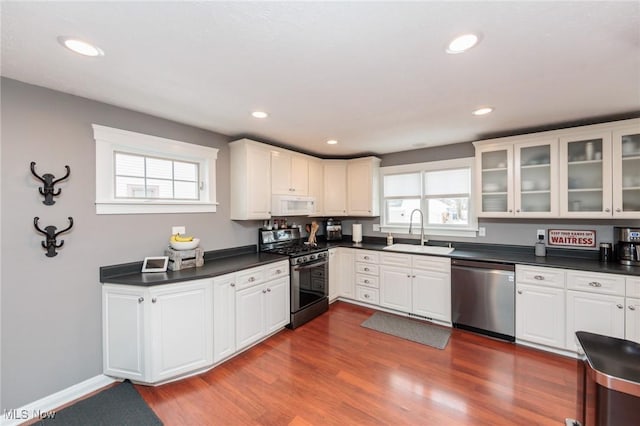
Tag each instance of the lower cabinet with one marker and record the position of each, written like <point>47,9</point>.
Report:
<point>632,319</point>
<point>346,273</point>
<point>153,334</point>
<point>540,306</point>
<point>334,274</point>
<point>260,310</point>
<point>224,317</point>
<point>395,287</point>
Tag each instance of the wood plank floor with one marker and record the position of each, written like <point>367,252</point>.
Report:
<point>332,371</point>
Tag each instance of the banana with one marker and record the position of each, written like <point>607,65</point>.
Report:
<point>185,239</point>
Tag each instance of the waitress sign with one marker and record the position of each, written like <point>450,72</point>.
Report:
<point>572,238</point>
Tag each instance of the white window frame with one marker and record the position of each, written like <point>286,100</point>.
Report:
<point>449,230</point>
<point>109,140</point>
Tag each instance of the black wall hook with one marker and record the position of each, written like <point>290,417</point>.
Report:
<point>51,243</point>
<point>48,181</point>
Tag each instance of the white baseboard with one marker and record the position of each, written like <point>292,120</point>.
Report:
<point>44,407</point>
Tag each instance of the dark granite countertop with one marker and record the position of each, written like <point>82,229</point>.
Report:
<point>556,258</point>
<point>216,263</point>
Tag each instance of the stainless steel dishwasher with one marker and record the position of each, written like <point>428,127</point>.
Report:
<point>483,297</point>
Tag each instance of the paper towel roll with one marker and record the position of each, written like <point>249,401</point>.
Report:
<point>356,232</point>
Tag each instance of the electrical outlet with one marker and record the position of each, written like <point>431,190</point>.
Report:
<point>482,231</point>
<point>541,232</point>
<point>182,230</point>
<point>376,227</point>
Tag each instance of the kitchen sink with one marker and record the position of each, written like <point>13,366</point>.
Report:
<point>413,248</point>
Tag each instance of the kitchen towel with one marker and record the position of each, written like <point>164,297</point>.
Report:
<point>356,232</point>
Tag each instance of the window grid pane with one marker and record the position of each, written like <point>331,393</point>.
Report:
<point>143,177</point>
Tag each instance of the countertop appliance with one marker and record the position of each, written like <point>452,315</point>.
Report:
<point>309,272</point>
<point>483,298</point>
<point>292,205</point>
<point>608,381</point>
<point>333,230</point>
<point>628,245</point>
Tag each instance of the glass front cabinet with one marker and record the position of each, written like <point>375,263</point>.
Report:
<point>494,180</point>
<point>626,172</point>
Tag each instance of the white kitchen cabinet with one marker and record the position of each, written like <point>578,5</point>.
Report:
<point>335,187</point>
<point>540,306</point>
<point>632,309</point>
<point>289,173</point>
<point>224,317</point>
<point>250,180</point>
<point>123,331</point>
<point>261,309</point>
<point>494,179</point>
<point>595,303</point>
<point>363,190</point>
<point>334,274</point>
<point>366,276</point>
<point>346,258</point>
<point>316,185</point>
<point>416,284</point>
<point>152,334</point>
<point>626,172</point>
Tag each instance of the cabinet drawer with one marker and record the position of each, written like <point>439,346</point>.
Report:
<point>633,287</point>
<point>366,268</point>
<point>395,259</point>
<point>367,294</point>
<point>431,263</point>
<point>250,277</point>
<point>367,280</point>
<point>596,282</point>
<point>367,256</point>
<point>276,270</point>
<point>535,275</point>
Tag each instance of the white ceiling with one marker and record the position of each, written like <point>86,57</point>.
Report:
<point>373,75</point>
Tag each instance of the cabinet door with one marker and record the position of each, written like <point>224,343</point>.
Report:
<point>281,173</point>
<point>632,323</point>
<point>595,313</point>
<point>626,172</point>
<point>299,175</point>
<point>494,167</point>
<point>277,306</point>
<point>316,186</point>
<point>123,334</point>
<point>224,317</point>
<point>181,328</point>
<point>362,188</point>
<point>585,175</point>
<point>540,315</point>
<point>250,308</point>
<point>395,288</point>
<point>431,295</point>
<point>250,182</point>
<point>335,188</point>
<point>347,275</point>
<point>334,271</point>
<point>536,178</point>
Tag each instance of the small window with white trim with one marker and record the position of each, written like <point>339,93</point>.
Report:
<point>137,173</point>
<point>440,189</point>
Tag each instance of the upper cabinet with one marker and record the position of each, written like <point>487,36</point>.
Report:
<point>335,187</point>
<point>250,180</point>
<point>363,187</point>
<point>586,172</point>
<point>316,185</point>
<point>289,173</point>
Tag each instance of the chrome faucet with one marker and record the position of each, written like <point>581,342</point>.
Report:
<point>422,238</point>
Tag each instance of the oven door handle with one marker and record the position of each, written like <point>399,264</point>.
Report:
<point>309,265</point>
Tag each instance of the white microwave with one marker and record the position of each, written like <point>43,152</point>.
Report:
<point>290,205</point>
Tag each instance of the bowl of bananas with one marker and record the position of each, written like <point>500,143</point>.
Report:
<point>183,242</point>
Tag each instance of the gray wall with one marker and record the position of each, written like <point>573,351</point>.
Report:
<point>51,307</point>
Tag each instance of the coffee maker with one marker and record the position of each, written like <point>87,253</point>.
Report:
<point>628,245</point>
<point>333,230</point>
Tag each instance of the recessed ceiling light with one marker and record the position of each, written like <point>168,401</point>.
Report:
<point>259,114</point>
<point>81,47</point>
<point>482,111</point>
<point>462,43</point>
<point>332,141</point>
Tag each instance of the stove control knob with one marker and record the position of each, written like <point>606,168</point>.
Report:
<point>302,259</point>
<point>312,257</point>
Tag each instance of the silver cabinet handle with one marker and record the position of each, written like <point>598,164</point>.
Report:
<point>620,306</point>
<point>510,211</point>
<point>607,210</point>
<point>408,276</point>
<point>232,284</point>
<point>632,308</point>
<point>140,299</point>
<point>269,290</point>
<point>518,211</point>
<point>154,300</point>
<point>264,290</point>
<point>367,296</point>
<point>519,291</point>
<point>413,276</point>
<point>279,271</point>
<point>366,281</point>
<point>366,257</point>
<point>538,277</point>
<point>366,269</point>
<point>595,284</point>
<point>251,279</point>
<point>618,210</point>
